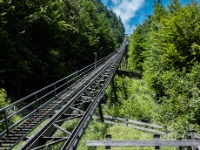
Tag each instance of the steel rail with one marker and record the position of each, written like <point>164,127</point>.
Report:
<point>77,72</point>
<point>63,97</point>
<point>30,142</point>
<point>52,100</point>
<point>72,141</point>
<point>83,72</point>
<point>76,82</point>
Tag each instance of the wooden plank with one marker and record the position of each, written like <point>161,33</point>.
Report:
<point>114,118</point>
<point>145,124</point>
<point>120,119</point>
<point>146,129</point>
<point>133,121</point>
<point>197,136</point>
<point>143,143</point>
<point>109,117</point>
<point>109,122</point>
<point>122,124</point>
<point>136,127</point>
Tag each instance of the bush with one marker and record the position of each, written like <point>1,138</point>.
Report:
<point>3,98</point>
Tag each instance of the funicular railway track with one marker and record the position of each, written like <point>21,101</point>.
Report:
<point>79,100</point>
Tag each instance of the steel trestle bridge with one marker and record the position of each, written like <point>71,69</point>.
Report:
<point>74,97</point>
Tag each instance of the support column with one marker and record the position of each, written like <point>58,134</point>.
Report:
<point>108,138</point>
<point>114,89</point>
<point>193,138</point>
<point>157,137</point>
<point>101,112</point>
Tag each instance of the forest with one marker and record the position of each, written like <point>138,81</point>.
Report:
<point>165,51</point>
<point>43,41</point>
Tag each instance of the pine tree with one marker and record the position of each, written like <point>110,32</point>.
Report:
<point>174,6</point>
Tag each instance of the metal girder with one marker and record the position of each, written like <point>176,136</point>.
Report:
<point>69,118</point>
<point>92,92</point>
<point>78,110</point>
<point>60,128</point>
<point>74,138</point>
<point>49,144</point>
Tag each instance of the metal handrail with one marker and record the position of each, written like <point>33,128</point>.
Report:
<point>87,82</point>
<point>68,79</point>
<point>78,130</point>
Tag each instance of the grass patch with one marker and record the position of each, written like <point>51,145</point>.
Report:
<point>134,100</point>
<point>98,131</point>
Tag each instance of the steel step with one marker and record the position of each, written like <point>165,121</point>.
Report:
<point>6,145</point>
<point>14,135</point>
<point>11,138</point>
<point>19,132</point>
<point>20,128</point>
<point>25,127</point>
<point>7,141</point>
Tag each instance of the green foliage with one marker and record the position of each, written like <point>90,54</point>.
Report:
<point>42,41</point>
<point>174,6</point>
<point>98,131</point>
<point>94,131</point>
<point>137,46</point>
<point>135,100</point>
<point>3,98</point>
<point>3,102</point>
<point>168,58</point>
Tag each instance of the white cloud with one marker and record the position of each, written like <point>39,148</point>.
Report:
<point>116,2</point>
<point>129,28</point>
<point>127,9</point>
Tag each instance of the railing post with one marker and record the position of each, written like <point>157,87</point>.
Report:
<point>126,121</point>
<point>67,83</point>
<point>95,60</point>
<point>36,100</point>
<point>108,138</point>
<point>157,137</point>
<point>7,126</point>
<point>101,112</point>
<point>193,138</point>
<point>87,70</point>
<point>14,108</point>
<point>54,87</point>
<point>166,130</point>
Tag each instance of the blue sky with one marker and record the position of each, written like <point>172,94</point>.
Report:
<point>133,12</point>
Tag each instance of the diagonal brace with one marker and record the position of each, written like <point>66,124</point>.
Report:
<point>58,127</point>
<point>77,109</point>
<point>49,144</point>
